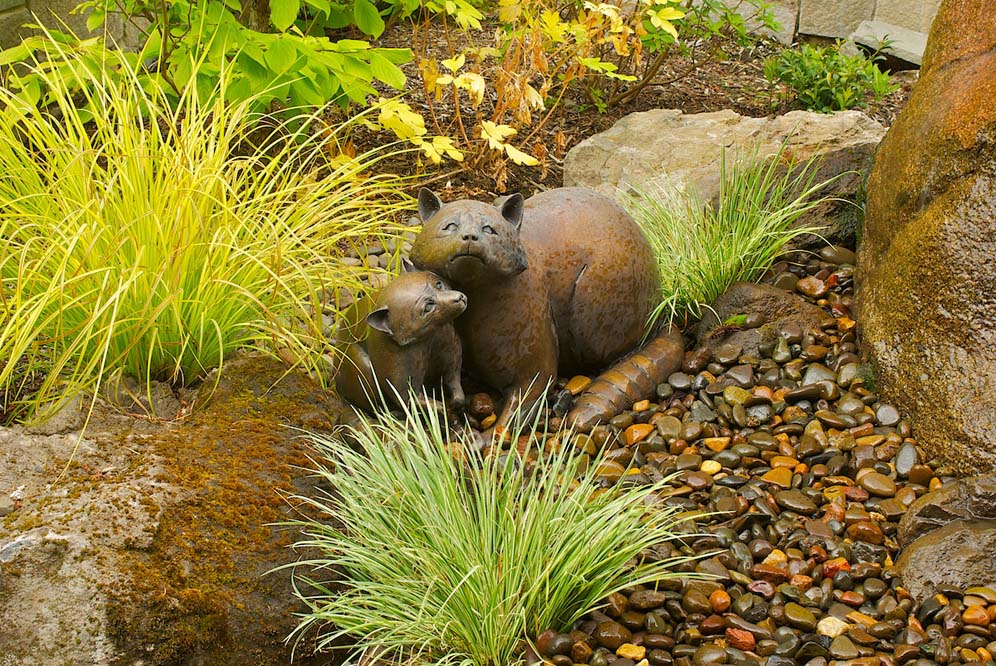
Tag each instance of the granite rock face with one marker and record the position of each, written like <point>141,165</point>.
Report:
<point>925,281</point>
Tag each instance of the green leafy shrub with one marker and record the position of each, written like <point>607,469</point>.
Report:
<point>371,17</point>
<point>289,66</point>
<point>702,248</point>
<point>448,556</point>
<point>824,79</point>
<point>152,238</point>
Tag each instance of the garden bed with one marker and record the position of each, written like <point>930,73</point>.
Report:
<point>773,428</point>
<point>723,75</point>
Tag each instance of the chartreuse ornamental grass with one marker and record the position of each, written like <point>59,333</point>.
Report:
<point>446,556</point>
<point>702,248</point>
<point>151,239</point>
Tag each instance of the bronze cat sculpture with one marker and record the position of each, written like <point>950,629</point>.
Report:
<point>410,344</point>
<point>564,282</point>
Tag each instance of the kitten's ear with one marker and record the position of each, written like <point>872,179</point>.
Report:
<point>407,266</point>
<point>377,320</point>
<point>511,208</point>
<point>428,203</point>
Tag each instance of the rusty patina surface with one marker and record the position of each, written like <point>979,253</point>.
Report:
<point>403,340</point>
<point>562,283</point>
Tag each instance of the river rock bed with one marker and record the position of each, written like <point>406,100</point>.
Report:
<point>806,473</point>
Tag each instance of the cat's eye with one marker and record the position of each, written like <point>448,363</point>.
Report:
<point>488,229</point>
<point>429,307</point>
<point>439,284</point>
<point>450,227</point>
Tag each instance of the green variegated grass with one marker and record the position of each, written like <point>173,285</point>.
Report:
<point>703,248</point>
<point>457,558</point>
<point>151,240</point>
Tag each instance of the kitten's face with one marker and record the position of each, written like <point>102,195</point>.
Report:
<point>414,304</point>
<point>469,241</point>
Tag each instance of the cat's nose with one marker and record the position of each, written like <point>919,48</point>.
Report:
<point>471,237</point>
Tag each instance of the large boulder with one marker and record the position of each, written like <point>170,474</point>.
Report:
<point>971,498</point>
<point>926,289</point>
<point>665,147</point>
<point>949,536</point>
<point>775,307</point>
<point>146,542</point>
<point>960,555</point>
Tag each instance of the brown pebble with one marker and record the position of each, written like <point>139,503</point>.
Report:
<point>611,634</point>
<point>644,600</point>
<point>481,406</point>
<point>878,484</point>
<point>784,461</point>
<point>720,601</point>
<point>616,604</point>
<point>866,531</point>
<point>780,477</point>
<point>577,384</point>
<point>630,651</point>
<point>637,433</point>
<point>581,652</point>
<point>812,286</point>
<point>831,567</point>
<point>921,475</point>
<point>740,639</point>
<point>802,582</point>
<point>976,615</point>
<point>716,444</point>
<point>698,480</point>
<point>712,625</point>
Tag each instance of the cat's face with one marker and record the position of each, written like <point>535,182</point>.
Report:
<point>470,242</point>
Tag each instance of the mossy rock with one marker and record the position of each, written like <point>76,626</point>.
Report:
<point>156,542</point>
<point>925,278</point>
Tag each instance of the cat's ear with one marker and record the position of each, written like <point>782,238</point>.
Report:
<point>428,204</point>
<point>511,208</point>
<point>407,266</point>
<point>377,320</point>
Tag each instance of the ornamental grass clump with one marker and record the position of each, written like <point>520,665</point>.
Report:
<point>436,554</point>
<point>703,248</point>
<point>151,239</point>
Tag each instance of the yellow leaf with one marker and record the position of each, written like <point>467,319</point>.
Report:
<point>620,42</point>
<point>481,53</point>
<point>399,118</point>
<point>553,27</point>
<point>520,157</point>
<point>441,145</point>
<point>430,74</point>
<point>453,64</point>
<point>661,19</point>
<point>473,83</point>
<point>609,11</point>
<point>430,151</point>
<point>534,99</point>
<point>495,134</point>
<point>509,10</point>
